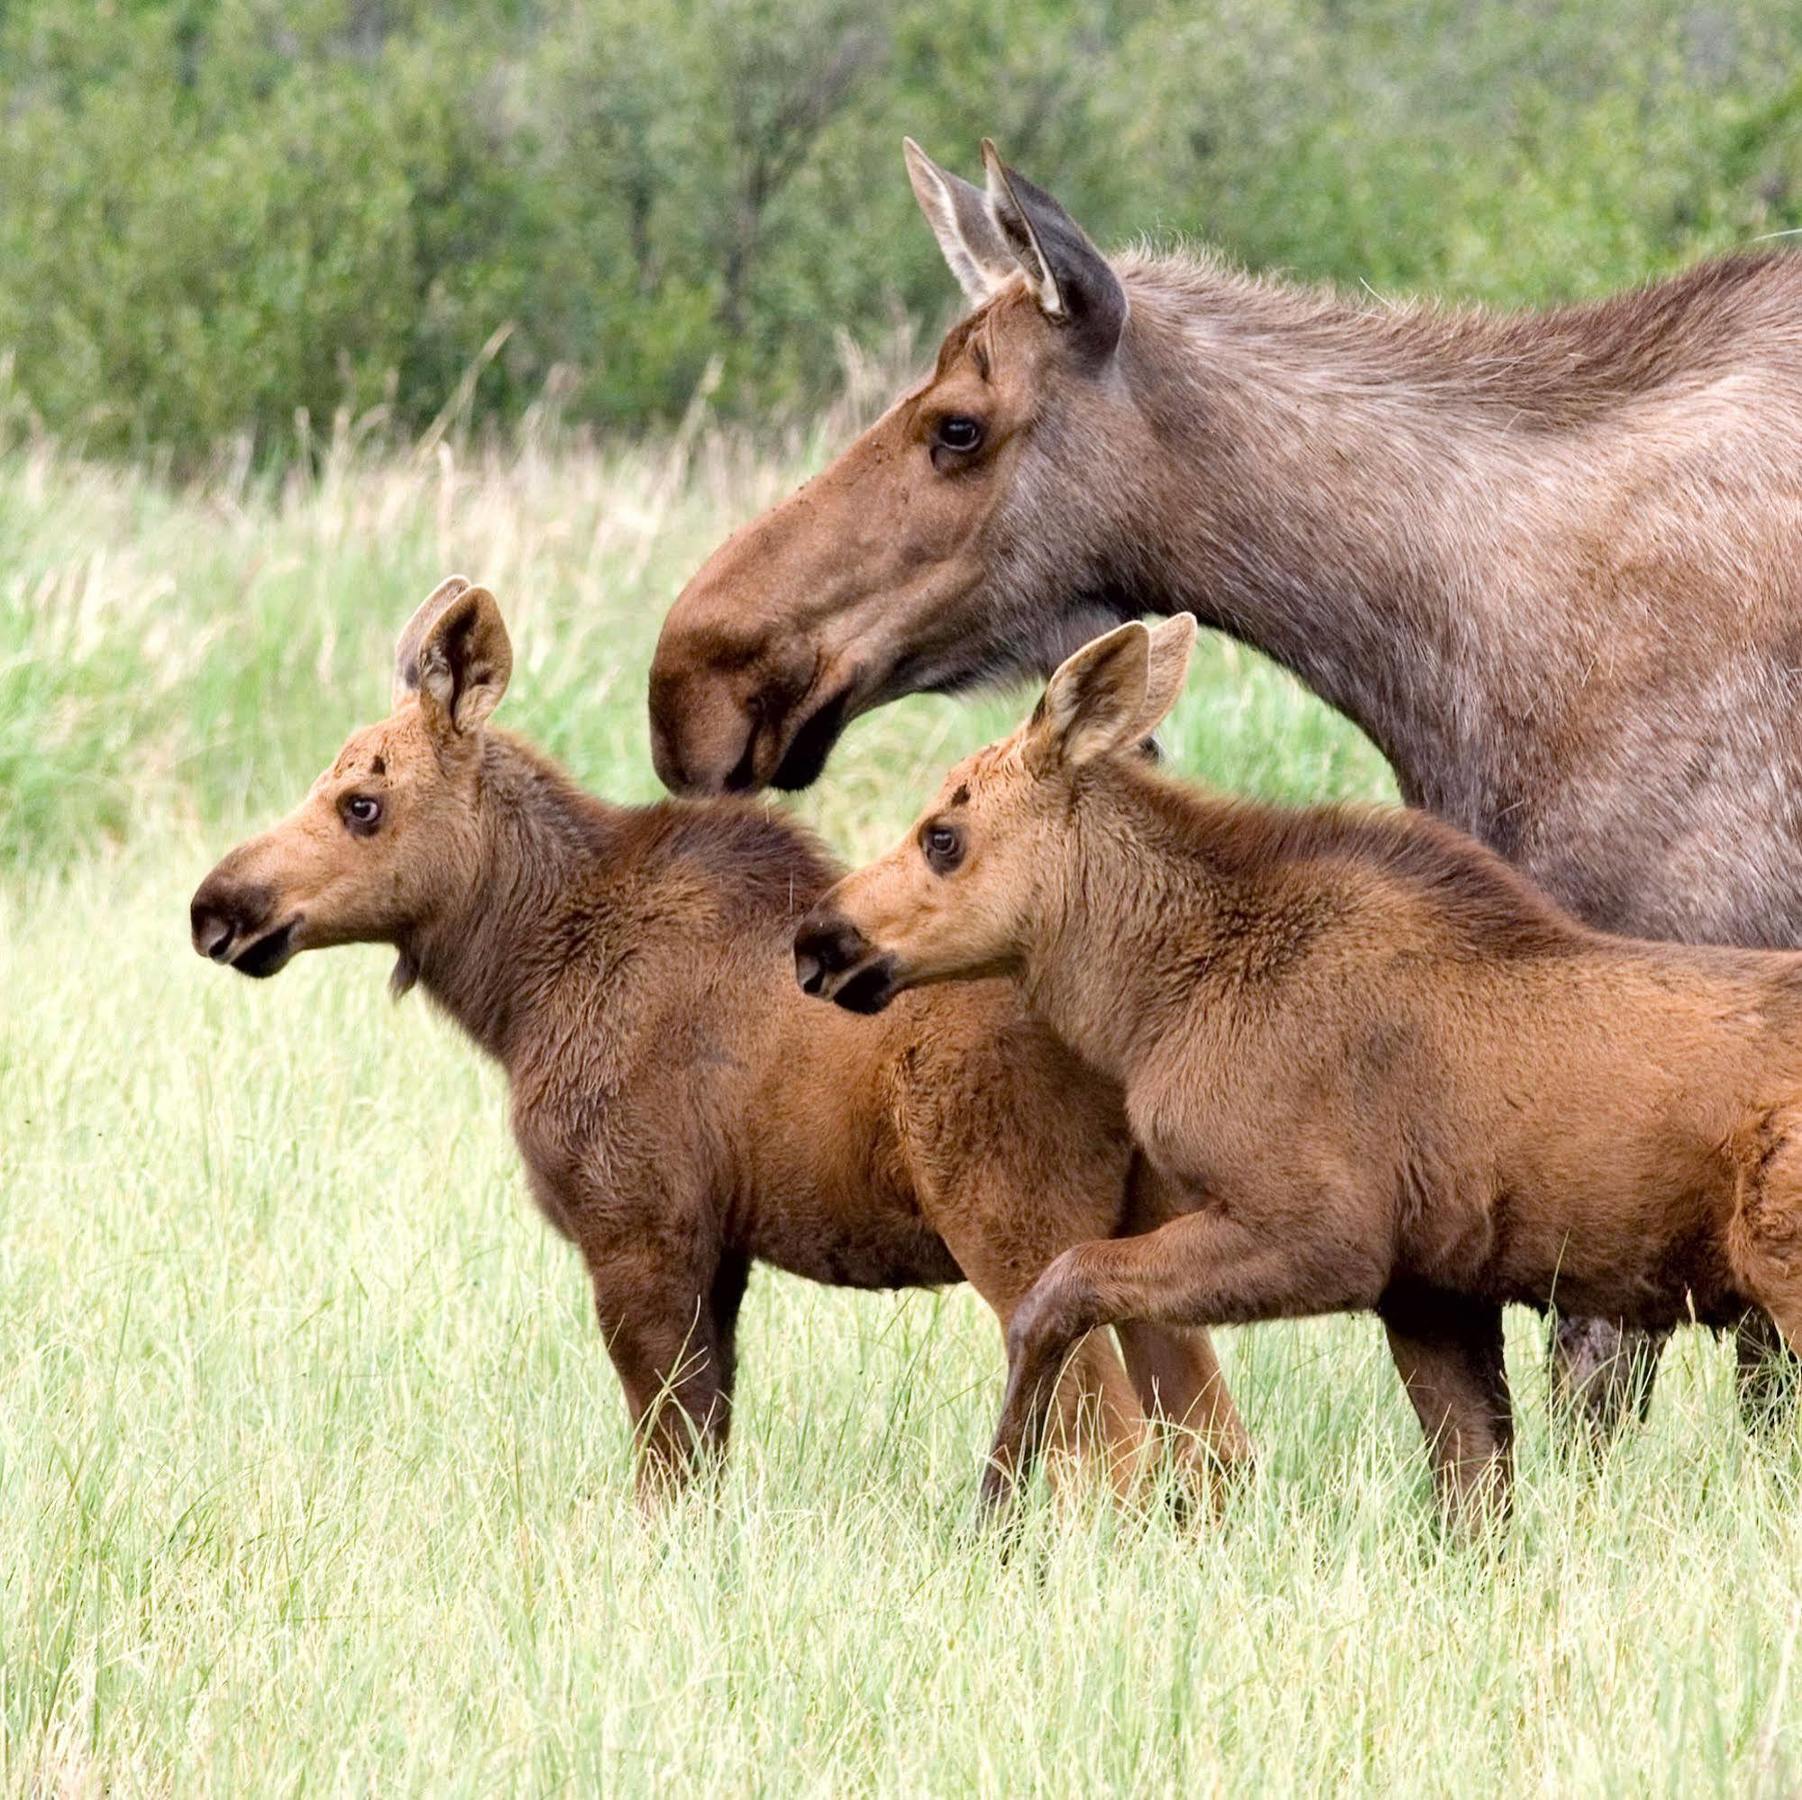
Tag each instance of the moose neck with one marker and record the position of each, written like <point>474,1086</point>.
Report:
<point>1096,960</point>
<point>491,957</point>
<point>1325,482</point>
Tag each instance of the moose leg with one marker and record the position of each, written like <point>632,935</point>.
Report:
<point>1603,1373</point>
<point>725,1297</point>
<point>1777,1285</point>
<point>1206,1268</point>
<point>1177,1374</point>
<point>1183,1391</point>
<point>1767,1374</point>
<point>1093,1407</point>
<point>677,1383</point>
<point>1448,1351</point>
<point>1764,1245</point>
<point>1095,1418</point>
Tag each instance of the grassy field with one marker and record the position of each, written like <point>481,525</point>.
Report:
<point>313,1475</point>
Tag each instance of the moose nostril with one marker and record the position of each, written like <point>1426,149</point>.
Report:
<point>666,746</point>
<point>666,760</point>
<point>741,778</point>
<point>825,948</point>
<point>212,934</point>
<point>210,925</point>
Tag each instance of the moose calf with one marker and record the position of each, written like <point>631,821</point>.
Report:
<point>1381,1069</point>
<point>681,1110</point>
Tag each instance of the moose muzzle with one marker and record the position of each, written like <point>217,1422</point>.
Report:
<point>234,922</point>
<point>835,961</point>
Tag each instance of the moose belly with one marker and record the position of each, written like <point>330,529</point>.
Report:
<point>1625,1267</point>
<point>845,1241</point>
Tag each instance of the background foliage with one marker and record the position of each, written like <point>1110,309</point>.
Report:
<point>217,216</point>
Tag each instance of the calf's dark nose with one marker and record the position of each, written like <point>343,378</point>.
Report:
<point>824,947</point>
<point>225,912</point>
<point>210,927</point>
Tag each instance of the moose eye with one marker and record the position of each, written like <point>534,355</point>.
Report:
<point>362,813</point>
<point>944,847</point>
<point>958,433</point>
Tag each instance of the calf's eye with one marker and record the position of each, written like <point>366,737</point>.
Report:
<point>362,813</point>
<point>944,847</point>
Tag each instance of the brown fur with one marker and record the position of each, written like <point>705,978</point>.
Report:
<point>683,1113</point>
<point>1548,561</point>
<point>1387,1072</point>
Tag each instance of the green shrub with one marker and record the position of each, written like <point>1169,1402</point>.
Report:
<point>217,215</point>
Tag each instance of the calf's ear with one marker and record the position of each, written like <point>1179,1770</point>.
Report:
<point>959,216</point>
<point>406,648</point>
<point>1172,644</point>
<point>1095,703</point>
<point>457,659</point>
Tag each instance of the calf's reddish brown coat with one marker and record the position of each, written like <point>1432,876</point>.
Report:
<point>1551,562</point>
<point>681,1110</point>
<point>1385,1071</point>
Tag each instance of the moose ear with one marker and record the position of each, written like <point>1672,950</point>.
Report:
<point>406,649</point>
<point>1072,281</point>
<point>1172,643</point>
<point>454,654</point>
<point>959,216</point>
<point>1095,703</point>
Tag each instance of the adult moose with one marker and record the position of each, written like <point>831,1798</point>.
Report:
<point>1551,563</point>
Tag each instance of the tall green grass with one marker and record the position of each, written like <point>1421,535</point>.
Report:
<point>313,1475</point>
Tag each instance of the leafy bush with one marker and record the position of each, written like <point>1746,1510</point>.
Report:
<point>217,216</point>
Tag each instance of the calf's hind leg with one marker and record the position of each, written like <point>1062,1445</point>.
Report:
<point>1093,1408</point>
<point>1764,1240</point>
<point>1766,1374</point>
<point>1096,1418</point>
<point>1010,1186</point>
<point>1183,1391</point>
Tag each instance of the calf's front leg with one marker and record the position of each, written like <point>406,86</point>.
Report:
<point>1178,1376</point>
<point>1448,1352</point>
<point>675,1361</point>
<point>1205,1268</point>
<point>1094,1409</point>
<point>1603,1373</point>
